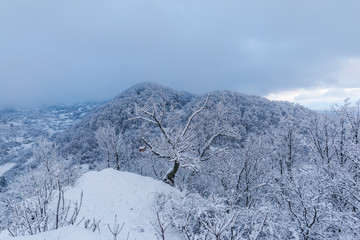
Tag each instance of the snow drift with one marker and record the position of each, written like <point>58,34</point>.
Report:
<point>108,193</point>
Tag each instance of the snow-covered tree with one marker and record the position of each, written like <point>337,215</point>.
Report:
<point>110,143</point>
<point>183,142</point>
<point>42,205</point>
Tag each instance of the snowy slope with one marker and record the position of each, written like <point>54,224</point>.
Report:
<point>67,233</point>
<point>107,193</point>
<point>6,167</point>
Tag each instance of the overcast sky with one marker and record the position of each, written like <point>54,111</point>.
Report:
<point>64,51</point>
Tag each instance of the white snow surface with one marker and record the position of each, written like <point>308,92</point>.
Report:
<point>107,193</point>
<point>6,167</point>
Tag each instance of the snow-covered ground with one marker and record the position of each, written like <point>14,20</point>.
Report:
<point>6,167</point>
<point>106,193</point>
<point>66,233</point>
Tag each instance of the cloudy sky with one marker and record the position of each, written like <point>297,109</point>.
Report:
<point>65,51</point>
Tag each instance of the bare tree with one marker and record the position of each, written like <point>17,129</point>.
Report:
<point>160,227</point>
<point>322,135</point>
<point>43,206</point>
<point>351,115</point>
<point>93,225</point>
<point>252,159</point>
<point>181,142</point>
<point>286,141</point>
<point>110,143</point>
<point>116,229</point>
<point>217,225</point>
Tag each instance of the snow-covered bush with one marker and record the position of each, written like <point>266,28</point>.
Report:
<point>213,218</point>
<point>41,205</point>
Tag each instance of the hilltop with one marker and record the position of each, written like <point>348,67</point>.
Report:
<point>245,113</point>
<point>108,193</point>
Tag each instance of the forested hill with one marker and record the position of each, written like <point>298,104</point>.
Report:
<point>244,114</point>
<point>246,167</point>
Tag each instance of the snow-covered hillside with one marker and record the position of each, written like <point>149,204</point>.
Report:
<point>108,193</point>
<point>247,168</point>
<point>20,128</point>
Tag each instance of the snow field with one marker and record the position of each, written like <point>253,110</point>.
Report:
<point>107,193</point>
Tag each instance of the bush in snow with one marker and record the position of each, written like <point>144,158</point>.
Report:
<point>42,205</point>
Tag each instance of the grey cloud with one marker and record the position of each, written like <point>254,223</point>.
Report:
<point>60,51</point>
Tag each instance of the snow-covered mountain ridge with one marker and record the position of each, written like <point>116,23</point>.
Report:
<point>245,113</point>
<point>108,193</point>
<point>247,168</point>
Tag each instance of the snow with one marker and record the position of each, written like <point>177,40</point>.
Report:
<point>107,193</point>
<point>66,233</point>
<point>6,167</point>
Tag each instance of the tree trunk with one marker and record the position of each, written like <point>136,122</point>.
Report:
<point>169,178</point>
<point>117,162</point>
<point>58,206</point>
<point>108,159</point>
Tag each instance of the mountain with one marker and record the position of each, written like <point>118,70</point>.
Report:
<point>245,114</point>
<point>240,167</point>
